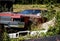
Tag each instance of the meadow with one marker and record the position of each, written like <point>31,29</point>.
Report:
<point>19,7</point>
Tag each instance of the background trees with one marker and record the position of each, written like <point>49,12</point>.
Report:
<point>35,1</point>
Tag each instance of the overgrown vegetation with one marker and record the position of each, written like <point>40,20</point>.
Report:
<point>5,36</point>
<point>51,31</point>
<point>56,29</point>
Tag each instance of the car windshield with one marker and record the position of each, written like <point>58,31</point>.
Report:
<point>30,11</point>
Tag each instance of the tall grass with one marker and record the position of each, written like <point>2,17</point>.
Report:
<point>18,8</point>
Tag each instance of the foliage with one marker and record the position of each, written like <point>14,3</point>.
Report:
<point>56,29</point>
<point>50,14</point>
<point>5,36</point>
<point>36,1</point>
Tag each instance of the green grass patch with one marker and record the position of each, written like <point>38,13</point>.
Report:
<point>17,7</point>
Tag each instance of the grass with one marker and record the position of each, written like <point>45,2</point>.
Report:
<point>19,7</point>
